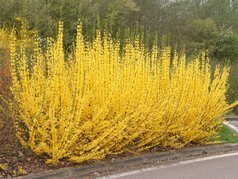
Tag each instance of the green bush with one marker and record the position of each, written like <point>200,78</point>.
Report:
<point>226,47</point>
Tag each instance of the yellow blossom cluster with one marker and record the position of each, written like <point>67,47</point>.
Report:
<point>101,100</point>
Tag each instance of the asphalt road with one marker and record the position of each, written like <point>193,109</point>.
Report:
<point>214,167</point>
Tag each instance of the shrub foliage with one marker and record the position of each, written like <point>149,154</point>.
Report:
<point>99,100</point>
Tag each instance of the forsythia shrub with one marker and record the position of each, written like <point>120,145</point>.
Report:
<point>24,38</point>
<point>98,101</point>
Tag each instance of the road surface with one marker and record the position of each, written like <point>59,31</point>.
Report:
<point>215,167</point>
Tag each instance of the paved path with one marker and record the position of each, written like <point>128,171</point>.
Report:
<point>215,167</point>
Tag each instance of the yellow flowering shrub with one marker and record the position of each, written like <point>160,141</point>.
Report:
<point>97,101</point>
<point>25,38</point>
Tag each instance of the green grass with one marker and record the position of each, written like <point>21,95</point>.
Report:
<point>227,135</point>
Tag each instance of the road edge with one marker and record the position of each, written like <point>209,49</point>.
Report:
<point>124,163</point>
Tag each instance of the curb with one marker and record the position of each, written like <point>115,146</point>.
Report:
<point>232,127</point>
<point>92,171</point>
<point>228,122</point>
